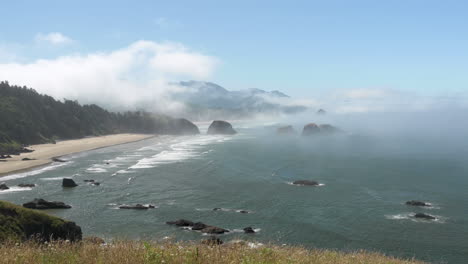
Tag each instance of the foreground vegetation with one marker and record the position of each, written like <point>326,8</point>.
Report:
<point>143,252</point>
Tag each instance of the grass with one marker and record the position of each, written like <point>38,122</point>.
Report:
<point>19,224</point>
<point>156,252</point>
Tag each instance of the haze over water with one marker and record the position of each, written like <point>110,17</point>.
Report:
<point>367,176</point>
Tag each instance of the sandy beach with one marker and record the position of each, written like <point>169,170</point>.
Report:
<point>44,153</point>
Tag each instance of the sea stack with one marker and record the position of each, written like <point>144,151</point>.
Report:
<point>285,130</point>
<point>185,127</point>
<point>221,127</point>
<point>67,182</point>
<point>311,129</point>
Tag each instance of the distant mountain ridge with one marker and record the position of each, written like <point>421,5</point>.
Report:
<point>202,97</point>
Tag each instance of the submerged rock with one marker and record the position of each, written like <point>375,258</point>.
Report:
<point>137,206</point>
<point>212,241</point>
<point>96,183</point>
<point>286,130</point>
<point>58,160</point>
<point>243,211</point>
<point>180,222</point>
<point>306,182</point>
<point>249,230</point>
<point>221,127</point>
<point>424,216</point>
<point>88,180</point>
<point>3,186</point>
<point>43,204</point>
<point>26,185</point>
<point>417,203</point>
<point>311,129</point>
<point>68,183</point>
<point>214,230</point>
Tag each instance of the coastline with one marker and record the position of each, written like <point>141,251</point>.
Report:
<point>43,153</point>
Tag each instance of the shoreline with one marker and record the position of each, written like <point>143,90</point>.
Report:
<point>43,153</point>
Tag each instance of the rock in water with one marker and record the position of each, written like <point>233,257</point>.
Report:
<point>199,226</point>
<point>328,129</point>
<point>424,216</point>
<point>221,127</point>
<point>21,224</point>
<point>286,130</point>
<point>43,204</point>
<point>58,160</point>
<point>3,186</point>
<point>214,230</point>
<point>212,241</point>
<point>249,230</point>
<point>417,203</point>
<point>26,185</point>
<point>306,182</point>
<point>321,112</point>
<point>137,206</point>
<point>311,129</point>
<point>180,222</point>
<point>184,127</point>
<point>67,182</point>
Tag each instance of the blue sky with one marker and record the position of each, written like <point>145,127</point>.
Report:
<point>304,48</point>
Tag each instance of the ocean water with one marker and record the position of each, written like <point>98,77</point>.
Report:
<point>365,180</point>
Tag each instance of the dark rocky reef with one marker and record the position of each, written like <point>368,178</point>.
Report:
<point>20,224</point>
<point>3,187</point>
<point>249,230</point>
<point>27,185</point>
<point>417,203</point>
<point>221,127</point>
<point>424,216</point>
<point>306,182</point>
<point>137,206</point>
<point>43,204</point>
<point>68,183</point>
<point>199,226</point>
<point>285,130</point>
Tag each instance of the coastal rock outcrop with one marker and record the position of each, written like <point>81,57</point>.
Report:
<point>198,226</point>
<point>424,216</point>
<point>137,206</point>
<point>221,127</point>
<point>306,182</point>
<point>328,129</point>
<point>417,203</point>
<point>27,159</point>
<point>21,224</point>
<point>311,129</point>
<point>43,204</point>
<point>3,187</point>
<point>68,183</point>
<point>285,130</point>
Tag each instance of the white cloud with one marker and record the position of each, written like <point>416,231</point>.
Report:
<point>367,93</point>
<point>136,76</point>
<point>54,38</point>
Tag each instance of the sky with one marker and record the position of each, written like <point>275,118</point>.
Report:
<point>307,49</point>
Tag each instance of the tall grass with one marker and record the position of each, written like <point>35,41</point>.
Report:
<point>133,252</point>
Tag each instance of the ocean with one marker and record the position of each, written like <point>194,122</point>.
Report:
<point>366,178</point>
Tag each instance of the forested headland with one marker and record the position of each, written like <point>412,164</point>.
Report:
<point>27,117</point>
